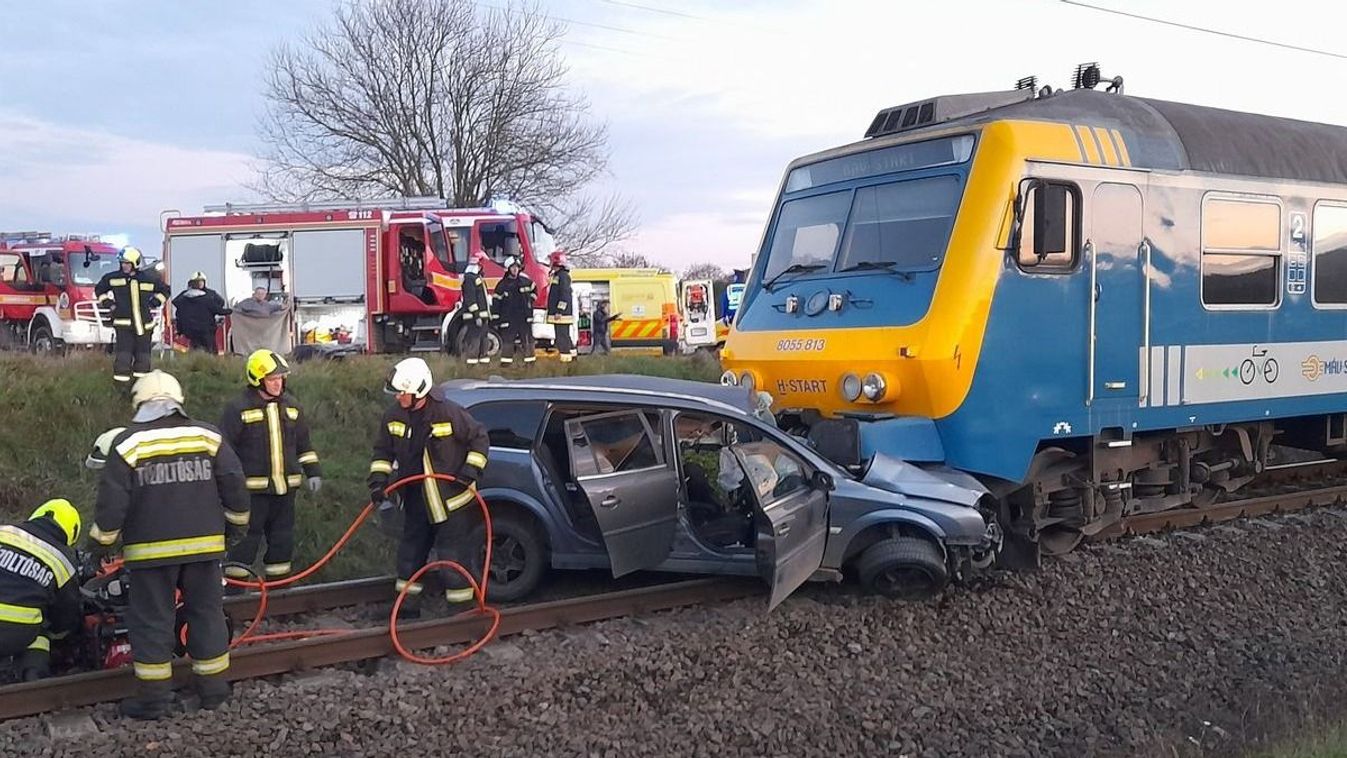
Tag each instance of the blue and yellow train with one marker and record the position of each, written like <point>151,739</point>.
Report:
<point>1097,304</point>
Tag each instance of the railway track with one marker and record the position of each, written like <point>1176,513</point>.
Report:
<point>32,698</point>
<point>1249,507</point>
<point>58,693</point>
<point>311,598</point>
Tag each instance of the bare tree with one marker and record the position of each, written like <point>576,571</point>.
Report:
<point>628,259</point>
<point>438,97</point>
<point>705,271</point>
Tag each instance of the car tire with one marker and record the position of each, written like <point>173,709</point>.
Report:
<point>903,568</point>
<point>518,556</point>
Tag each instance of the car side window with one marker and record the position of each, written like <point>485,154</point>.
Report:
<point>613,443</point>
<point>511,424</point>
<point>774,472</point>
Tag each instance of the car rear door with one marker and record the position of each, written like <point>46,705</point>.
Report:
<point>792,516</point>
<point>618,461</point>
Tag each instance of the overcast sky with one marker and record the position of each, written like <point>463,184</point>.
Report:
<point>113,111</point>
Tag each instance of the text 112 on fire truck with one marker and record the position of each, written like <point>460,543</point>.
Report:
<point>385,275</point>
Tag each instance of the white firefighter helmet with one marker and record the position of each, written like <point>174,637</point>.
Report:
<point>98,456</point>
<point>511,261</point>
<point>411,376</point>
<point>156,385</point>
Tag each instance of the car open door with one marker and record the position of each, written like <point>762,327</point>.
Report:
<point>792,517</point>
<point>618,461</point>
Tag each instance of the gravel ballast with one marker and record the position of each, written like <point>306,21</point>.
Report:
<point>1195,643</point>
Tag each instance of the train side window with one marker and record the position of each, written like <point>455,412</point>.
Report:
<point>1050,230</point>
<point>1330,255</point>
<point>1241,252</point>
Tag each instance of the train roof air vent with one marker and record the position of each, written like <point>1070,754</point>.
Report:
<point>940,109</point>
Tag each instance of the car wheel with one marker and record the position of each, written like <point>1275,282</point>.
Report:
<point>518,557</point>
<point>903,568</point>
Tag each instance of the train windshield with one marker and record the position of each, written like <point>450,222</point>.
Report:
<point>903,226</point>
<point>882,216</point>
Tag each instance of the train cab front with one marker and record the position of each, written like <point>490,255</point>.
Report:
<point>862,301</point>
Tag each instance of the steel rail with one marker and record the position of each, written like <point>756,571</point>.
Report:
<point>1183,518</point>
<point>32,698</point>
<point>311,598</point>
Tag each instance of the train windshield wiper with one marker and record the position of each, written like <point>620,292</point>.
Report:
<point>794,268</point>
<point>888,266</point>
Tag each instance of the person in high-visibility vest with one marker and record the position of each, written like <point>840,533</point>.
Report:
<point>476,307</point>
<point>270,432</point>
<point>172,490</point>
<point>39,594</point>
<point>134,295</point>
<point>559,306</point>
<point>424,432</point>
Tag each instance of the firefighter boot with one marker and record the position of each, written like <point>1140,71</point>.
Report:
<point>214,691</point>
<point>34,664</point>
<point>153,700</point>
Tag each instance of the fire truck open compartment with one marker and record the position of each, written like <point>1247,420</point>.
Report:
<point>385,275</point>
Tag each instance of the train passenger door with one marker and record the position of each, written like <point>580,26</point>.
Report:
<point>1117,308</point>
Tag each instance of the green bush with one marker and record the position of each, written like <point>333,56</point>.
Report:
<point>54,408</point>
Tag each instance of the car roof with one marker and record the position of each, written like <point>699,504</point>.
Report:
<point>646,390</point>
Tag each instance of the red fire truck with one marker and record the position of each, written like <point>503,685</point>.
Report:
<point>382,276</point>
<point>47,290</point>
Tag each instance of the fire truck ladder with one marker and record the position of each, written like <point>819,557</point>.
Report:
<point>386,204</point>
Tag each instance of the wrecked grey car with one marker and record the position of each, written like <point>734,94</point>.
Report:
<point>635,472</point>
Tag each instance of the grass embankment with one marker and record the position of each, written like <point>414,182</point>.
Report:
<point>52,409</point>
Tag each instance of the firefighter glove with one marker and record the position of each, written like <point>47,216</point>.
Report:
<point>466,476</point>
<point>234,534</point>
<point>376,493</point>
<point>315,483</point>
<point>97,549</point>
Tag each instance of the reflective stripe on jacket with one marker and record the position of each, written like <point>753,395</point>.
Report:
<point>168,490</point>
<point>271,438</point>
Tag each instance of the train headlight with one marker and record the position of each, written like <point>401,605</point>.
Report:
<point>874,387</point>
<point>851,387</point>
<point>729,379</point>
<point>747,380</point>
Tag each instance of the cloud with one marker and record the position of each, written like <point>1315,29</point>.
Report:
<point>54,176</point>
<point>678,240</point>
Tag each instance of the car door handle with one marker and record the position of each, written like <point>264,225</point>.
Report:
<point>783,530</point>
<point>610,501</point>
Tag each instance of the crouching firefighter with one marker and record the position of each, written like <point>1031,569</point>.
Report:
<point>135,296</point>
<point>270,432</point>
<point>425,432</point>
<point>171,490</point>
<point>39,594</point>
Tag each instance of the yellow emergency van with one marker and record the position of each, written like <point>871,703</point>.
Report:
<point>644,299</point>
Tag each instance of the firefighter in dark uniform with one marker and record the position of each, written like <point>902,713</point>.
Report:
<point>514,308</point>
<point>424,432</point>
<point>559,306</point>
<point>135,295</point>
<point>269,431</point>
<point>39,594</point>
<point>173,491</point>
<point>195,310</point>
<point>476,312</point>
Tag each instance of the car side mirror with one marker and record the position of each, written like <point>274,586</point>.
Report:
<point>822,480</point>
